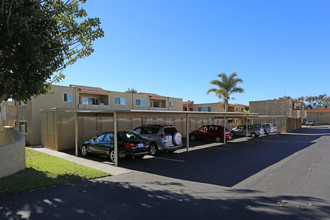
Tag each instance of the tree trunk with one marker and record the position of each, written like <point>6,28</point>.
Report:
<point>226,105</point>
<point>3,97</point>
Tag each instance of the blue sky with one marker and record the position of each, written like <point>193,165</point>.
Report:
<point>176,47</point>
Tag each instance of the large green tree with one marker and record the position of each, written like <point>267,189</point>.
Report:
<point>38,39</point>
<point>315,102</point>
<point>226,86</point>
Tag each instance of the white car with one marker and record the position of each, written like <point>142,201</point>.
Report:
<point>269,128</point>
<point>309,123</point>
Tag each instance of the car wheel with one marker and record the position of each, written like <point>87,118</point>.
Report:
<point>84,151</point>
<point>253,135</point>
<point>112,155</point>
<point>192,137</point>
<point>153,149</point>
<point>177,139</point>
<point>218,139</point>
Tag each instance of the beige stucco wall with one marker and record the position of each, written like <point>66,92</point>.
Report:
<point>12,151</point>
<point>215,107</point>
<point>320,119</point>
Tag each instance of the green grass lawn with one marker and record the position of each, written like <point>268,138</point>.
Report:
<point>45,170</point>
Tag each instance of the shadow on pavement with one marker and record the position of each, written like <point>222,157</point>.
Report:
<point>123,200</point>
<point>229,164</point>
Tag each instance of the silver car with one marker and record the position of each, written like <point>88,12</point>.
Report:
<point>161,138</point>
<point>253,131</point>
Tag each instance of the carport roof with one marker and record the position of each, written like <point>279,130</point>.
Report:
<point>155,113</point>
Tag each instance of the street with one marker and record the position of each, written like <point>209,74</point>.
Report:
<point>285,176</point>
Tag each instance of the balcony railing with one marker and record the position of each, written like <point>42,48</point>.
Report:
<point>297,114</point>
<point>103,107</point>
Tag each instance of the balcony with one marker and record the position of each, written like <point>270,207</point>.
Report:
<point>102,107</point>
<point>297,114</point>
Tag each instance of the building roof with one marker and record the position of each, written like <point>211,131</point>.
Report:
<point>188,103</point>
<point>151,95</point>
<point>318,110</point>
<point>89,88</point>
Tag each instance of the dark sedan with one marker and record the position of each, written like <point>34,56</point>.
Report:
<point>129,145</point>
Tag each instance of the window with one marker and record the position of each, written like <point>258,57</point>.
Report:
<point>120,101</point>
<point>237,109</point>
<point>88,101</point>
<point>140,102</point>
<point>321,113</point>
<point>100,138</point>
<point>23,127</point>
<point>67,97</point>
<point>108,137</point>
<point>171,104</point>
<point>204,109</point>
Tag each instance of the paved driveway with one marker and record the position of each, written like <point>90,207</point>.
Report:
<point>273,177</point>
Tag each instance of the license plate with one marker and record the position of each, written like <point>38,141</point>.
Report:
<point>140,145</point>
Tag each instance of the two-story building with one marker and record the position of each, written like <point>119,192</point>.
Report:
<point>218,107</point>
<point>319,116</point>
<point>291,112</point>
<point>28,115</point>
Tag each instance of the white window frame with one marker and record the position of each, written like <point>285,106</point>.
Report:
<point>122,101</point>
<point>68,96</point>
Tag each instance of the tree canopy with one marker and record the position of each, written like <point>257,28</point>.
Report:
<point>38,39</point>
<point>226,86</point>
<point>315,102</point>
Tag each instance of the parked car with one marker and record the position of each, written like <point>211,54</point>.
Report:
<point>211,132</point>
<point>129,144</point>
<point>161,138</point>
<point>309,123</point>
<point>253,131</point>
<point>268,127</point>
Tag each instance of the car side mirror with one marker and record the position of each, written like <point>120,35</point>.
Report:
<point>94,139</point>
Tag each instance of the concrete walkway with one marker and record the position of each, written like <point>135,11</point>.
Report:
<point>106,167</point>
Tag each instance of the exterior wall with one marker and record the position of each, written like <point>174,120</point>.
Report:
<point>52,100</point>
<point>215,107</point>
<point>177,104</point>
<point>30,112</point>
<point>292,112</point>
<point>12,151</point>
<point>320,116</point>
<point>8,113</point>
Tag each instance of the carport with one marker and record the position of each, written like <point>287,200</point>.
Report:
<point>187,115</point>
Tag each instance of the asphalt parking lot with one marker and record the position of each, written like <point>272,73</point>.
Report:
<point>283,176</point>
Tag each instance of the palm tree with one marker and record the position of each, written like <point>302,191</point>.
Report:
<point>131,90</point>
<point>227,86</point>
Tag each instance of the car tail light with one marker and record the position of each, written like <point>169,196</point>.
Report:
<point>129,145</point>
<point>163,136</point>
<point>147,144</point>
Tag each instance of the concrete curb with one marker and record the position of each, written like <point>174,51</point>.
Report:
<point>108,168</point>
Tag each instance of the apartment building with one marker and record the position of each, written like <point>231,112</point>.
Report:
<point>319,116</point>
<point>28,115</point>
<point>218,107</point>
<point>291,112</point>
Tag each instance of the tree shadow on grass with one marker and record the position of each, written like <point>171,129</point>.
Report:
<point>33,179</point>
<point>101,199</point>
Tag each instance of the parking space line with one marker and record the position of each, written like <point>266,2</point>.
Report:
<point>162,158</point>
